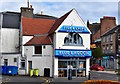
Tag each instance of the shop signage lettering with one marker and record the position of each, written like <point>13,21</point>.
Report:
<point>72,53</point>
<point>79,29</point>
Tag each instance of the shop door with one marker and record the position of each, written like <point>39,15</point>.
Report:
<point>74,64</point>
<point>29,65</point>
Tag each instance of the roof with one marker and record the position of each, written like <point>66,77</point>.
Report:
<point>94,27</point>
<point>58,22</point>
<point>32,26</point>
<point>39,40</point>
<point>111,31</point>
<point>45,16</point>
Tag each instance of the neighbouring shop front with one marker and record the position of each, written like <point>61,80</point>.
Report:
<point>108,62</point>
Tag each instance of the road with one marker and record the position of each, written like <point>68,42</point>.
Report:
<point>95,75</point>
<point>104,75</point>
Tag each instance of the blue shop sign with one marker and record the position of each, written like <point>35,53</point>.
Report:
<point>78,29</point>
<point>73,53</point>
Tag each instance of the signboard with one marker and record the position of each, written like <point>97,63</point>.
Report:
<point>105,57</point>
<point>73,53</point>
<point>78,29</point>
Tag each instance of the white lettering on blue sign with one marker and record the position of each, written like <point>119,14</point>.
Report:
<point>79,29</point>
<point>72,53</point>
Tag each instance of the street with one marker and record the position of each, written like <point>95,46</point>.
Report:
<point>95,75</point>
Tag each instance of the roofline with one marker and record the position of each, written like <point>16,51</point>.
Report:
<point>109,30</point>
<point>36,44</point>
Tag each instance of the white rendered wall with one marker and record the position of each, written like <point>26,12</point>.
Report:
<point>10,58</point>
<point>10,40</point>
<point>87,66</point>
<point>25,39</point>
<point>39,62</point>
<point>74,20</point>
<point>55,67</point>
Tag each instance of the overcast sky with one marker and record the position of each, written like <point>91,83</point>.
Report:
<point>87,10</point>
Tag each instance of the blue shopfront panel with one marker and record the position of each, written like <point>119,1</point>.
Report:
<point>65,53</point>
<point>77,29</point>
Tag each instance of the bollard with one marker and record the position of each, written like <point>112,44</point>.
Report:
<point>89,76</point>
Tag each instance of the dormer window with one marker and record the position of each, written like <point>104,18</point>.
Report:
<point>73,39</point>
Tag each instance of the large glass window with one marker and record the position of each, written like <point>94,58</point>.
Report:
<point>73,39</point>
<point>111,37</point>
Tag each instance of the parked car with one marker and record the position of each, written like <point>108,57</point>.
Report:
<point>97,67</point>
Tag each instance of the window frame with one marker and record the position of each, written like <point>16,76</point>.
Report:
<point>111,48</point>
<point>22,61</point>
<point>111,37</point>
<point>40,52</point>
<point>108,38</point>
<point>70,39</point>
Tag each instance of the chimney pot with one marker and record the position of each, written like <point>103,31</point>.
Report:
<point>30,6</point>
<point>41,12</point>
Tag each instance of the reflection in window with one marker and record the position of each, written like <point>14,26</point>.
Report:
<point>73,39</point>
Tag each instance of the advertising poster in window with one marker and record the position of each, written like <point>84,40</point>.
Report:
<point>80,66</point>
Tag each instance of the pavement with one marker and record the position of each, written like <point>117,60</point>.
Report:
<point>95,75</point>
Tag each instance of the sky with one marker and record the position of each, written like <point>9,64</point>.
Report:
<point>88,10</point>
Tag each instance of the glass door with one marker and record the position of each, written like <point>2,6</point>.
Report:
<point>73,63</point>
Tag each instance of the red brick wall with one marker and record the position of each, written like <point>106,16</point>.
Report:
<point>107,23</point>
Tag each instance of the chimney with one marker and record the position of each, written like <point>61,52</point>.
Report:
<point>27,12</point>
<point>31,6</point>
<point>41,12</point>
<point>88,23</point>
<point>107,23</point>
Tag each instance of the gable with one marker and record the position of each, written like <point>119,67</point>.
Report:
<point>73,23</point>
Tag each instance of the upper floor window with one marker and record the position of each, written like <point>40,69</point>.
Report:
<point>104,49</point>
<point>119,48</point>
<point>103,39</point>
<point>38,50</point>
<point>111,37</point>
<point>107,38</point>
<point>73,39</point>
<point>119,36</point>
<point>107,49</point>
<point>111,49</point>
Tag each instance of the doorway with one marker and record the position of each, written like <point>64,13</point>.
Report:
<point>29,65</point>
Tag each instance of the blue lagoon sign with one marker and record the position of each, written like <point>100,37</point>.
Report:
<point>73,53</point>
<point>79,29</point>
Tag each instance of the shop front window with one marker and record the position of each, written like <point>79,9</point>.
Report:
<point>78,68</point>
<point>73,39</point>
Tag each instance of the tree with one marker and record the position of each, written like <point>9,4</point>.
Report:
<point>96,53</point>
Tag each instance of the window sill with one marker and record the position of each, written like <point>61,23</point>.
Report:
<point>37,55</point>
<point>73,45</point>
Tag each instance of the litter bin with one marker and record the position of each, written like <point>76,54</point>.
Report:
<point>70,74</point>
<point>4,70</point>
<point>31,72</point>
<point>12,70</point>
<point>36,72</point>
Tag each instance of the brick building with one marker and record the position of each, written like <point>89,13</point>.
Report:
<point>98,29</point>
<point>110,44</point>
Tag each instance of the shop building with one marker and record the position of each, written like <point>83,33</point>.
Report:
<point>56,44</point>
<point>47,43</point>
<point>110,46</point>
